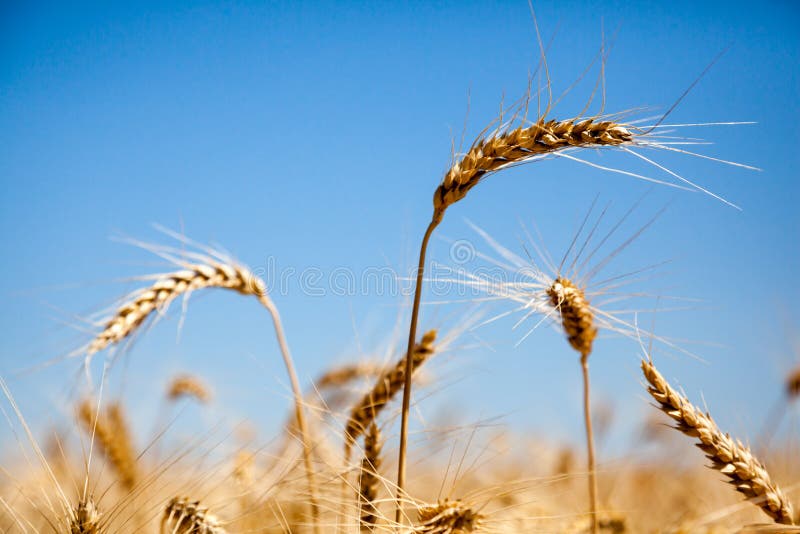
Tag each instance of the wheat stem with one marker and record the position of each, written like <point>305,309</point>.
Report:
<point>587,418</point>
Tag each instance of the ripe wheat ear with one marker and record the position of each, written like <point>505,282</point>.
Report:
<point>728,456</point>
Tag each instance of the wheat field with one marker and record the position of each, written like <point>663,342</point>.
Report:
<point>380,440</point>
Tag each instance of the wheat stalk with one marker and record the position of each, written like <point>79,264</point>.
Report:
<point>85,518</point>
<point>114,439</point>
<point>182,516</point>
<point>368,479</point>
<point>728,456</point>
<point>387,386</point>
<point>505,148</point>
<point>447,517</point>
<point>188,386</point>
<point>208,273</point>
<point>577,320</point>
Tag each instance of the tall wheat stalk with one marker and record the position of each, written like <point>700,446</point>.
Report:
<point>506,148</point>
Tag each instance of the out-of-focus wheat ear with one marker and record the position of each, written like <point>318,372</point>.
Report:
<point>577,320</point>
<point>85,518</point>
<point>111,434</point>
<point>387,386</point>
<point>188,386</point>
<point>447,517</point>
<point>182,516</point>
<point>728,456</point>
<point>369,479</point>
<point>793,385</point>
<point>505,148</point>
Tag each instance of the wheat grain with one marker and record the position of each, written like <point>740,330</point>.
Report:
<point>387,386</point>
<point>188,386</point>
<point>182,516</point>
<point>447,517</point>
<point>85,518</point>
<point>369,478</point>
<point>729,456</point>
<point>113,437</point>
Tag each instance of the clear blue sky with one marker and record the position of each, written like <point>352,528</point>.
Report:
<point>316,133</point>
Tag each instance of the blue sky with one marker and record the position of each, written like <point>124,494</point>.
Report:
<point>310,135</point>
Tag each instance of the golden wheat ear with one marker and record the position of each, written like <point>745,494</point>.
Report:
<point>447,517</point>
<point>728,456</point>
<point>85,518</point>
<point>386,387</point>
<point>188,386</point>
<point>369,479</point>
<point>111,434</point>
<point>182,516</point>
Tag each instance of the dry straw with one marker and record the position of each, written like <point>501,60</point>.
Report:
<point>212,270</point>
<point>387,386</point>
<point>369,479</point>
<point>182,516</point>
<point>728,456</point>
<point>112,436</point>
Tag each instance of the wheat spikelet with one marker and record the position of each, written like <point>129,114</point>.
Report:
<point>85,518</point>
<point>158,296</point>
<point>114,439</point>
<point>344,374</point>
<point>385,388</point>
<point>577,318</point>
<point>447,517</point>
<point>368,479</point>
<point>729,456</point>
<point>182,516</point>
<point>188,386</point>
<point>510,147</point>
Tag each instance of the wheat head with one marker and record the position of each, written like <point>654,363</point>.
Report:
<point>188,386</point>
<point>159,295</point>
<point>387,386</point>
<point>182,516</point>
<point>447,517</point>
<point>793,384</point>
<point>510,147</point>
<point>85,518</point>
<point>114,439</point>
<point>369,479</point>
<point>728,456</point>
<point>577,318</point>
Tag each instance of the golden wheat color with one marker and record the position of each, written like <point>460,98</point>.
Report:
<point>447,517</point>
<point>188,386</point>
<point>729,456</point>
<point>182,516</point>
<point>508,147</point>
<point>369,478</point>
<point>387,386</point>
<point>211,273</point>
<point>113,438</point>
<point>85,519</point>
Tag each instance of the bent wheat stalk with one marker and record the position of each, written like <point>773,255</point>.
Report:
<point>208,273</point>
<point>728,456</point>
<point>504,149</point>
